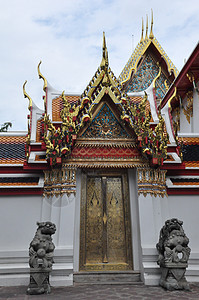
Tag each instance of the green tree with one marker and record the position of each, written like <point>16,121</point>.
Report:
<point>5,126</point>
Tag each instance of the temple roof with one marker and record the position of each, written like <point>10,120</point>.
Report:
<point>139,51</point>
<point>188,76</point>
<point>12,148</point>
<point>143,66</point>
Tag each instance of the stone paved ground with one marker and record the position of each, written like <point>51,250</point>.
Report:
<point>105,292</point>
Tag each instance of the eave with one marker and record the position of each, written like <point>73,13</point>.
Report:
<point>182,83</point>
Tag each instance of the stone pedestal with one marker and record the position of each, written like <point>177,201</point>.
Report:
<point>173,277</point>
<point>39,281</point>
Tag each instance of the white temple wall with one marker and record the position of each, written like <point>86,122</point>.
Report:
<point>77,222</point>
<point>135,223</point>
<point>153,212</point>
<point>18,217</point>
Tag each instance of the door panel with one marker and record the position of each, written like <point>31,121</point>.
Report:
<point>116,222</point>
<point>94,221</point>
<point>105,238</point>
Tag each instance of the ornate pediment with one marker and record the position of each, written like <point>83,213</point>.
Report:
<point>105,126</point>
<point>143,65</point>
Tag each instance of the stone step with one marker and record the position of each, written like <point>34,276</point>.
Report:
<point>107,277</point>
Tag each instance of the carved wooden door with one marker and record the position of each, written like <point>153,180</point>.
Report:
<point>105,242</point>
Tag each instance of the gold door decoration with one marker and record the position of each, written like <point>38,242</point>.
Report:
<point>105,242</point>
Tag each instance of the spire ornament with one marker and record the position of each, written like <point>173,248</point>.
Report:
<point>104,62</point>
<point>42,77</point>
<point>45,85</point>
<point>29,131</point>
<point>146,37</point>
<point>151,36</point>
<point>142,38</point>
<point>27,96</point>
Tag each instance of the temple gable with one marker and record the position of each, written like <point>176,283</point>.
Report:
<point>105,125</point>
<point>143,66</point>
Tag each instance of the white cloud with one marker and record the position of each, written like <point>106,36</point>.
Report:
<point>67,36</point>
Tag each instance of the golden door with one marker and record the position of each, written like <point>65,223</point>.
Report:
<point>105,241</point>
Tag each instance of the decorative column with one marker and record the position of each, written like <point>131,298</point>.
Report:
<point>173,255</point>
<point>151,181</point>
<point>59,181</point>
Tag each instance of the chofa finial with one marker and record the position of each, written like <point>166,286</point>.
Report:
<point>142,38</point>
<point>151,36</point>
<point>146,37</point>
<point>104,62</point>
<point>27,96</point>
<point>42,77</point>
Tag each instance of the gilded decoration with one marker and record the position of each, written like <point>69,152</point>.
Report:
<point>144,76</point>
<point>59,181</point>
<point>29,117</point>
<point>152,181</point>
<point>105,125</point>
<point>59,141</point>
<point>76,118</point>
<point>140,50</point>
<point>188,110</point>
<point>153,143</point>
<point>105,234</point>
<point>176,119</point>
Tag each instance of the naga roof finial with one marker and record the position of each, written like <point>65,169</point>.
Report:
<point>104,62</point>
<point>146,37</point>
<point>151,36</point>
<point>142,38</point>
<point>41,76</point>
<point>27,96</point>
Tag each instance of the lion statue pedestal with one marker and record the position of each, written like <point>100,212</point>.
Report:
<point>173,255</point>
<point>41,252</point>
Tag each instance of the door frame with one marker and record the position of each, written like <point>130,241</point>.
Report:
<point>127,216</point>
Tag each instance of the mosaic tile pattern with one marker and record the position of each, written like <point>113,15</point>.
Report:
<point>105,125</point>
<point>144,76</point>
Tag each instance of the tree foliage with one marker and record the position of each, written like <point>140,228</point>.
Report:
<point>5,126</point>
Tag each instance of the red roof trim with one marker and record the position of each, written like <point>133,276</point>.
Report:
<point>183,191</point>
<point>180,76</point>
<point>21,191</point>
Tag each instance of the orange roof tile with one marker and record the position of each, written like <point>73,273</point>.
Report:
<point>135,99</point>
<point>192,164</point>
<point>170,158</point>
<point>57,106</point>
<point>186,183</point>
<point>189,140</point>
<point>39,128</point>
<point>18,183</point>
<point>12,149</point>
<point>5,139</point>
<point>40,158</point>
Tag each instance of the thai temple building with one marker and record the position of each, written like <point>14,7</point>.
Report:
<point>108,167</point>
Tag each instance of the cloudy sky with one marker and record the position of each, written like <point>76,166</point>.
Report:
<point>67,36</point>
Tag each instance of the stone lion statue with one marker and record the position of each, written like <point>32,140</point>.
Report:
<point>41,248</point>
<point>173,255</point>
<point>173,243</point>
